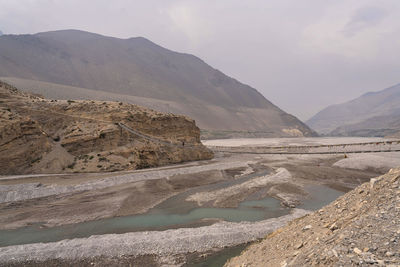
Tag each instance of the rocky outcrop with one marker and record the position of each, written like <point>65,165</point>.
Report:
<point>360,228</point>
<point>24,138</point>
<point>41,135</point>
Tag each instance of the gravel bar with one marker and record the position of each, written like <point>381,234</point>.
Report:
<point>174,241</point>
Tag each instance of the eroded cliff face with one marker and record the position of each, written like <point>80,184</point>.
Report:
<point>38,135</point>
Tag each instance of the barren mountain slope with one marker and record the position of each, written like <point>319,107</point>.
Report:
<point>372,114</point>
<point>40,135</point>
<point>138,67</point>
<point>358,229</point>
<point>378,126</point>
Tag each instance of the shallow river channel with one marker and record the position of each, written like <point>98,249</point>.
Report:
<point>172,213</point>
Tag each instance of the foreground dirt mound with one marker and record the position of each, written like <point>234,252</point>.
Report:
<point>40,135</point>
<point>361,228</point>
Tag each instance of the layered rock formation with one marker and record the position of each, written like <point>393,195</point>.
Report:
<point>360,228</point>
<point>40,135</point>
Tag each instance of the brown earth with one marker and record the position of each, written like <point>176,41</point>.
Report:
<point>361,228</point>
<point>38,135</point>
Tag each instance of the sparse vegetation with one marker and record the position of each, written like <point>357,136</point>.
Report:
<point>36,160</point>
<point>72,165</point>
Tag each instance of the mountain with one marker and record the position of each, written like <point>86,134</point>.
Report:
<point>372,114</point>
<point>1,33</point>
<point>167,80</point>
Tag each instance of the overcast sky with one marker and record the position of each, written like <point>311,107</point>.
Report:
<point>301,54</point>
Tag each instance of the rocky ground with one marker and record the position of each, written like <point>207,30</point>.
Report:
<point>225,181</point>
<point>361,228</point>
<point>160,243</point>
<point>52,200</point>
<point>39,135</point>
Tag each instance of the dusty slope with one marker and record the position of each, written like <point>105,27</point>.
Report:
<point>39,135</point>
<point>371,114</point>
<point>358,229</point>
<point>138,67</point>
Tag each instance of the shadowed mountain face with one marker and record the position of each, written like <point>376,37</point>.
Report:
<point>372,114</point>
<point>136,67</point>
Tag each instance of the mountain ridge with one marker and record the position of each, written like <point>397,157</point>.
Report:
<point>138,67</point>
<point>358,114</point>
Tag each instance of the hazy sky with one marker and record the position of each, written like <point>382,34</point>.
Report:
<point>301,54</point>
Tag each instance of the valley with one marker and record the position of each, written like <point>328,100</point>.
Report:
<point>73,64</point>
<point>179,214</point>
<point>118,151</point>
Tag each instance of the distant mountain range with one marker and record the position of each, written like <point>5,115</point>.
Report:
<point>75,64</point>
<point>372,114</point>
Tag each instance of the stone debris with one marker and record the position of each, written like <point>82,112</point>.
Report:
<point>20,192</point>
<point>360,228</point>
<point>161,243</point>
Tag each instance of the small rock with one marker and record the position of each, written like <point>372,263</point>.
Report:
<point>357,251</point>
<point>284,264</point>
<point>380,262</point>
<point>366,249</point>
<point>333,227</point>
<point>370,261</point>
<point>389,254</point>
<point>372,182</point>
<point>307,227</point>
<point>300,245</point>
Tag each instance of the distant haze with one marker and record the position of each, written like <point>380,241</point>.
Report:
<point>302,55</point>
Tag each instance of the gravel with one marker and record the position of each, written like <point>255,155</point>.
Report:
<point>26,191</point>
<point>175,241</point>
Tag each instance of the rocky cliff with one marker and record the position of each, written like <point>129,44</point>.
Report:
<point>41,135</point>
<point>360,228</point>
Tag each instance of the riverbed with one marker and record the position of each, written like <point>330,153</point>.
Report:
<point>184,213</point>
